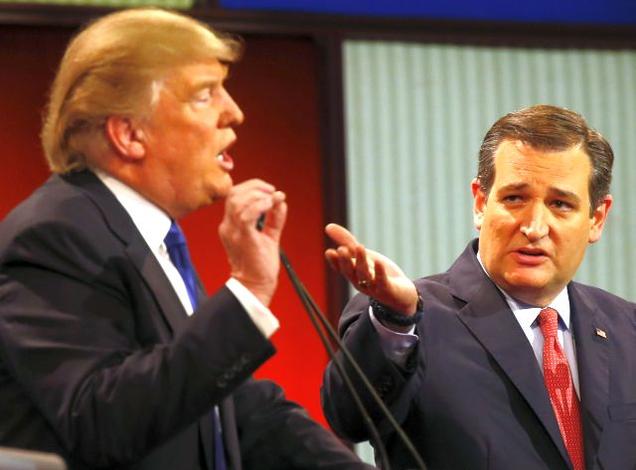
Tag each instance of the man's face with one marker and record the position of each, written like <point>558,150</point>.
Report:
<point>187,136</point>
<point>535,223</point>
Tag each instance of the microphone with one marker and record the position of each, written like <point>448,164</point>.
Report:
<point>260,223</point>
<point>321,324</point>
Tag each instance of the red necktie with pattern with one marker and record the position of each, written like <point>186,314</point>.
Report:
<point>558,381</point>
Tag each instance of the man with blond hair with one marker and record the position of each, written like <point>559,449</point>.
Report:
<point>111,355</point>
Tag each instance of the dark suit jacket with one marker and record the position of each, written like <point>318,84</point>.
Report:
<point>100,363</point>
<point>472,395</point>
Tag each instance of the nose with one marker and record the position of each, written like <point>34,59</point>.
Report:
<point>231,115</point>
<point>536,226</point>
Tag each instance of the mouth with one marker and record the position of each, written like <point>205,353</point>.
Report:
<point>225,161</point>
<point>530,256</point>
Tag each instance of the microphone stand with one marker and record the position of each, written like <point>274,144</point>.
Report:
<point>321,324</point>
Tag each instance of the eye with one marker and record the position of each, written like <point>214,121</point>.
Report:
<point>512,198</point>
<point>202,96</point>
<point>562,205</point>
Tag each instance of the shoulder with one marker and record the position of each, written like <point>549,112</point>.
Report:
<point>58,222</point>
<point>602,298</point>
<point>56,201</point>
<point>619,312</point>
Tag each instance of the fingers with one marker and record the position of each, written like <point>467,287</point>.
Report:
<point>350,258</point>
<point>381,276</point>
<point>341,260</point>
<point>364,267</point>
<point>248,200</point>
<point>275,218</point>
<point>341,236</point>
<point>370,272</point>
<point>253,255</point>
<point>332,258</point>
<point>346,263</point>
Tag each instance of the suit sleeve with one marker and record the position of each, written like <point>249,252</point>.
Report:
<point>275,433</point>
<point>395,385</point>
<point>83,338</point>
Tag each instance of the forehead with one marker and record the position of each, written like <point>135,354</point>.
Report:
<point>517,162</point>
<point>192,76</point>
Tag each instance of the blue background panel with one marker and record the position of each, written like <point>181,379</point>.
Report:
<point>545,11</point>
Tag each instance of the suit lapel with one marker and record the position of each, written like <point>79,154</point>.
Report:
<point>157,283</point>
<point>489,318</point>
<point>135,247</point>
<point>138,252</point>
<point>591,328</point>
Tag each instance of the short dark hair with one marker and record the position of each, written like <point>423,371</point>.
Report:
<point>547,127</point>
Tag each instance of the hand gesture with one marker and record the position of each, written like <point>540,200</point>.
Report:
<point>370,272</point>
<point>253,253</point>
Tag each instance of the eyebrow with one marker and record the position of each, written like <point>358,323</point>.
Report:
<point>209,80</point>
<point>206,83</point>
<point>565,194</point>
<point>513,187</point>
<point>524,186</point>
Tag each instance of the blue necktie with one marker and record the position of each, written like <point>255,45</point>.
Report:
<point>178,252</point>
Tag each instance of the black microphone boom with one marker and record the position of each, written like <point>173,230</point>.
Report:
<point>317,318</point>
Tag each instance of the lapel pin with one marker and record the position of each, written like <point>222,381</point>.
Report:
<point>601,333</point>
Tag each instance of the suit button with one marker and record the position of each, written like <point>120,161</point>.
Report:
<point>383,385</point>
<point>227,376</point>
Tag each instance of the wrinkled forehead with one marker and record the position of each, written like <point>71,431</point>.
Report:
<point>516,162</point>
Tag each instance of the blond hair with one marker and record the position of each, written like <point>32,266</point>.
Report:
<point>110,68</point>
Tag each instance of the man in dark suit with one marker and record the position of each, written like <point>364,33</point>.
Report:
<point>110,353</point>
<point>502,361</point>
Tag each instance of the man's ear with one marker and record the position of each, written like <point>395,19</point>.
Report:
<point>479,203</point>
<point>126,137</point>
<point>599,217</point>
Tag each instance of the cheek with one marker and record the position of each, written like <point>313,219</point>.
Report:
<point>198,145</point>
<point>497,234</point>
<point>574,233</point>
<point>207,141</point>
<point>498,225</point>
<point>575,242</point>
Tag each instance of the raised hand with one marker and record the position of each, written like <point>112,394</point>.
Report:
<point>370,272</point>
<point>253,254</point>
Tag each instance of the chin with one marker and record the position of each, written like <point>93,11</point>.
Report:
<point>222,193</point>
<point>527,281</point>
<point>225,185</point>
<point>220,189</point>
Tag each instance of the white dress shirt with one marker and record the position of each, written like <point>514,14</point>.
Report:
<point>153,225</point>
<point>528,318</point>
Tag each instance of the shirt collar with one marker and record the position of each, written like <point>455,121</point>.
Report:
<point>527,314</point>
<point>152,222</point>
